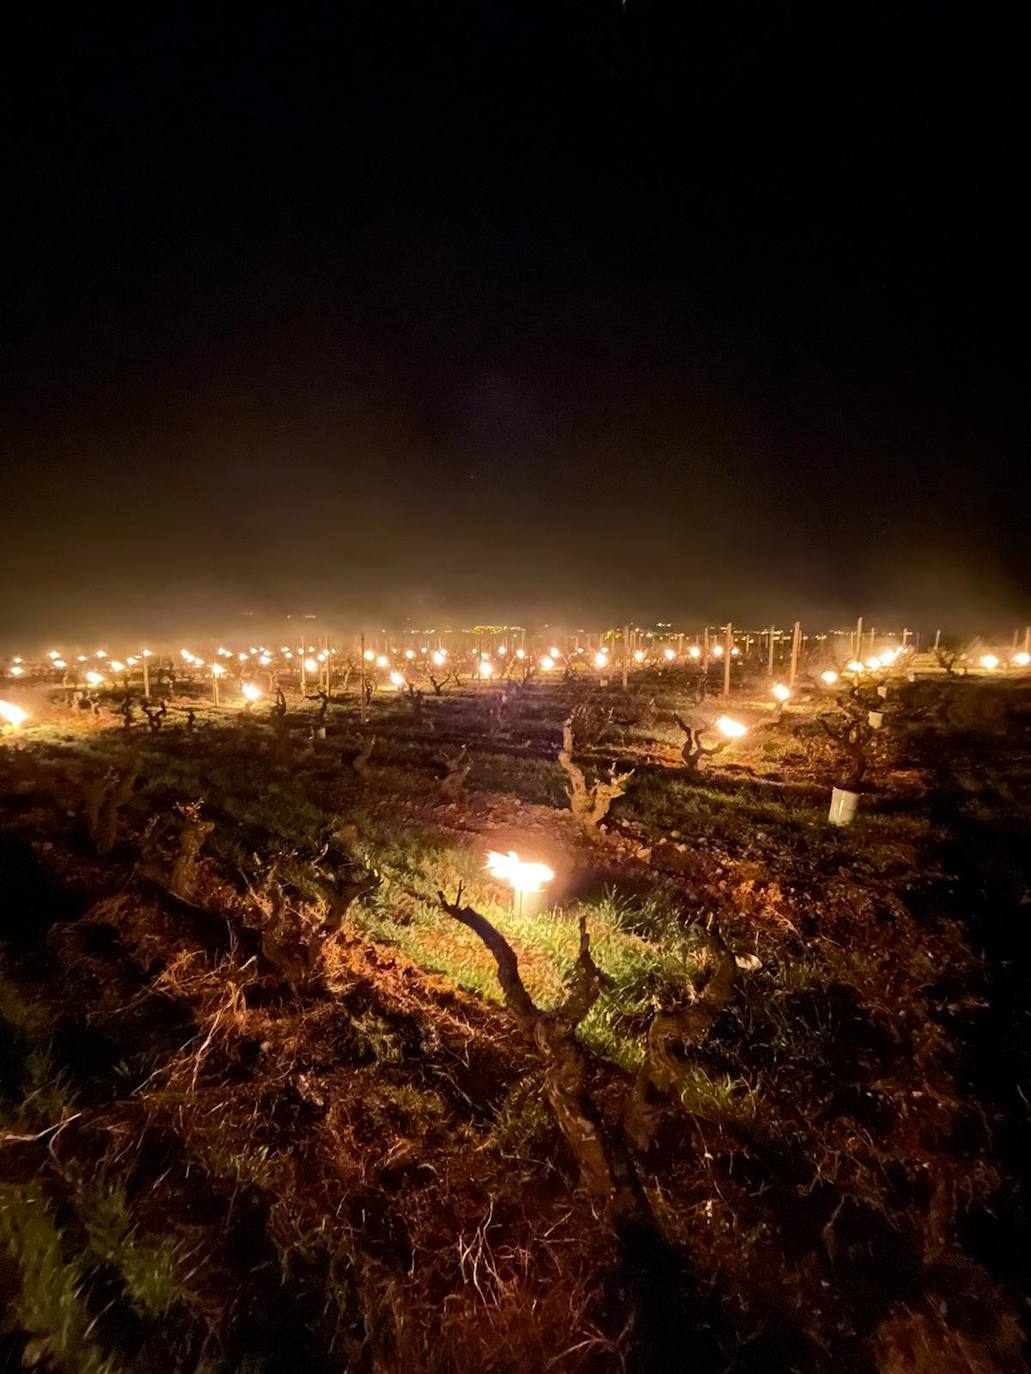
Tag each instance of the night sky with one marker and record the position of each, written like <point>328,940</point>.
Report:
<point>511,311</point>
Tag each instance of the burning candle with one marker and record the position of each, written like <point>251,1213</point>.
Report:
<point>731,728</point>
<point>13,715</point>
<point>527,880</point>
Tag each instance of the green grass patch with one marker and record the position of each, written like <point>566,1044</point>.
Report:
<point>648,954</point>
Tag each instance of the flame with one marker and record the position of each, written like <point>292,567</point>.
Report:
<point>310,665</point>
<point>694,651</point>
<point>670,654</point>
<point>438,657</point>
<point>733,729</point>
<point>397,679</point>
<point>251,693</point>
<point>830,677</point>
<point>524,877</point>
<point>116,666</point>
<point>13,715</point>
<point>94,679</point>
<point>486,668</point>
<point>17,670</point>
<point>601,659</point>
<point>717,650</point>
<point>989,661</point>
<point>383,661</point>
<point>217,670</point>
<point>547,663</point>
<point>854,666</point>
<point>781,692</point>
<point>1022,659</point>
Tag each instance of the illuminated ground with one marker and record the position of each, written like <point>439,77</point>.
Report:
<point>235,1141</point>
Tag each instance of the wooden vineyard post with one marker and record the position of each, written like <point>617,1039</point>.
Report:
<point>796,642</point>
<point>626,655</point>
<point>361,678</point>
<point>728,649</point>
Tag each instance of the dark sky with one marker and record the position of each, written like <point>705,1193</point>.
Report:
<point>498,310</point>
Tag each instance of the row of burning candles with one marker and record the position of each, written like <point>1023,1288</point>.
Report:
<point>15,715</point>
<point>313,660</point>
